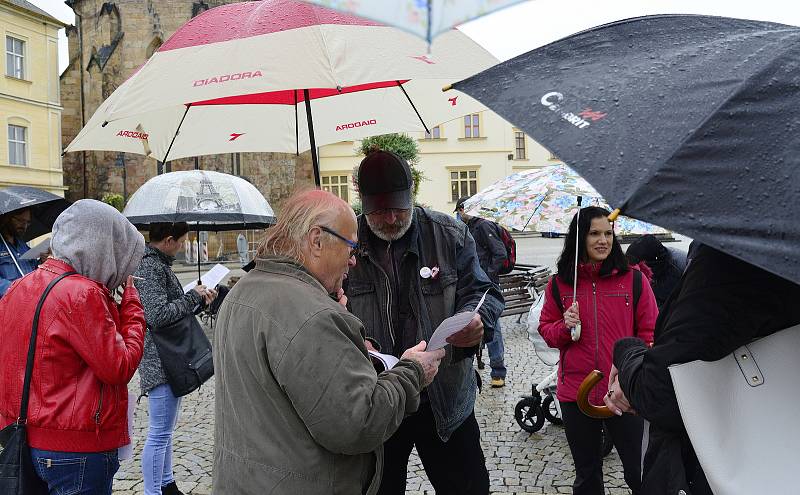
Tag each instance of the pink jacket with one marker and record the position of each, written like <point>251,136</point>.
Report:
<point>606,309</point>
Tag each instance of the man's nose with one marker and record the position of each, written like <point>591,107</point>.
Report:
<point>391,216</point>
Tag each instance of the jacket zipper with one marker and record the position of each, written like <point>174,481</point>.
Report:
<point>388,300</point>
<point>97,413</point>
<point>596,330</point>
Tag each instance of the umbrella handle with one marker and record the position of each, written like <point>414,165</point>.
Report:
<point>597,412</point>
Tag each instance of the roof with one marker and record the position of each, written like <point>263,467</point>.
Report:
<point>33,9</point>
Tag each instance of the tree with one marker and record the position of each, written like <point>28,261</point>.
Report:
<point>401,144</point>
<point>115,200</point>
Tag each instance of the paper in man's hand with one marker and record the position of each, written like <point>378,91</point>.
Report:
<point>452,325</point>
<point>37,250</point>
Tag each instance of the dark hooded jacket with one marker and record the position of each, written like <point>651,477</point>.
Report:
<point>720,304</point>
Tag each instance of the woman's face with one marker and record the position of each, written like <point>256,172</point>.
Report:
<point>599,240</point>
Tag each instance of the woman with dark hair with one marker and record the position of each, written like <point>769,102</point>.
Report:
<point>164,303</point>
<point>607,310</point>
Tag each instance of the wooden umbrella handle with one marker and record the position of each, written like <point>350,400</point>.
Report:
<point>597,412</point>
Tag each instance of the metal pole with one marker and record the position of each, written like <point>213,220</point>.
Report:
<point>314,158</point>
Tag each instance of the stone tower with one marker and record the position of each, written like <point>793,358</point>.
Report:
<point>107,43</point>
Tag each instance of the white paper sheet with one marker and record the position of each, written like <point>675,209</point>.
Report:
<point>387,360</point>
<point>36,250</point>
<point>452,325</point>
<point>210,279</point>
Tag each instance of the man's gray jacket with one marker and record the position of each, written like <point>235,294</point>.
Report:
<point>299,407</point>
<point>437,240</point>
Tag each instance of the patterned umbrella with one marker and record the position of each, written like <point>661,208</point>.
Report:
<point>423,18</point>
<point>205,199</point>
<point>544,200</point>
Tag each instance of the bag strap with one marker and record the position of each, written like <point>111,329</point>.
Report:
<point>637,294</point>
<point>556,292</point>
<point>26,384</point>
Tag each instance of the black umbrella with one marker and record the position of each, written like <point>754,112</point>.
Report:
<point>44,206</point>
<point>688,122</point>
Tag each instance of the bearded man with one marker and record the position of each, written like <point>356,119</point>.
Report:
<point>415,268</point>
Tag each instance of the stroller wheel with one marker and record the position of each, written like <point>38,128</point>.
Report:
<point>529,415</point>
<point>551,411</point>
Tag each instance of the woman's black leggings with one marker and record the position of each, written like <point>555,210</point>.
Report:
<point>584,435</point>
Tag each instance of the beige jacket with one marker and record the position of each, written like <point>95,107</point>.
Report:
<point>300,409</point>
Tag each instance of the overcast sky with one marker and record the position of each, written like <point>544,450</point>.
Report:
<point>530,24</point>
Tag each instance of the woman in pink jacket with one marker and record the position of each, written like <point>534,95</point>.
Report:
<point>607,312</point>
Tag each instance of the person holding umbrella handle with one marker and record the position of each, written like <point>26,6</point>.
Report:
<point>615,302</point>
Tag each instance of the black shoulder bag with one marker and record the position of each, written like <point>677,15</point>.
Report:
<point>185,354</point>
<point>17,474</point>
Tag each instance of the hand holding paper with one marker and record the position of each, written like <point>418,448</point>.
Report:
<point>461,330</point>
<point>210,279</point>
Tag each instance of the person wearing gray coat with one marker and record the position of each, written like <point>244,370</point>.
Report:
<point>299,407</point>
<point>164,302</point>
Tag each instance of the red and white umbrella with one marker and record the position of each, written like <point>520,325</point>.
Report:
<point>283,76</point>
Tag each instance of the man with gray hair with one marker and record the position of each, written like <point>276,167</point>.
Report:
<point>299,406</point>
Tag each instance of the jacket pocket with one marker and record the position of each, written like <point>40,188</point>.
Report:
<point>434,286</point>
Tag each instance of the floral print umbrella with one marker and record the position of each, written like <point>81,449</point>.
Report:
<point>545,200</point>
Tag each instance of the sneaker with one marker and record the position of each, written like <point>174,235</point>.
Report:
<point>171,489</point>
<point>498,382</point>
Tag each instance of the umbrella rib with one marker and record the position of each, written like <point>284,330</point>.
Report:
<point>177,131</point>
<point>413,106</point>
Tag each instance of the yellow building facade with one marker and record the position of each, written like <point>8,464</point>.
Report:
<point>30,106</point>
<point>458,158</point>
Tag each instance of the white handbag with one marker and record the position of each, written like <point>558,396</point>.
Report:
<point>741,414</point>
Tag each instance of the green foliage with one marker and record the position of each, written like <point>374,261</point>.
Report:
<point>113,199</point>
<point>401,144</point>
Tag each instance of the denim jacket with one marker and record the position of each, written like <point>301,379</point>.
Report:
<point>8,270</point>
<point>436,240</point>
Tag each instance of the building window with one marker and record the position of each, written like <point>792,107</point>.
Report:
<point>17,145</point>
<point>519,145</point>
<point>436,133</point>
<point>336,184</point>
<point>15,57</point>
<point>472,126</point>
<point>463,183</point>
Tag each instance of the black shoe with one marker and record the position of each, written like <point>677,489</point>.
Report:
<point>171,489</point>
<point>480,364</point>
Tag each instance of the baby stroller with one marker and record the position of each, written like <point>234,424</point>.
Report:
<point>532,410</point>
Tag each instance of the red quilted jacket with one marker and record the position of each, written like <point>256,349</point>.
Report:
<point>605,305</point>
<point>87,349</point>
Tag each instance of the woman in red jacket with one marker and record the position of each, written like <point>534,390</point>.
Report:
<point>87,349</point>
<point>606,311</point>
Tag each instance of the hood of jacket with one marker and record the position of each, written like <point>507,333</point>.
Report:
<point>98,242</point>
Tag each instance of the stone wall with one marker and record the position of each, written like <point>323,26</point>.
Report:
<point>118,37</point>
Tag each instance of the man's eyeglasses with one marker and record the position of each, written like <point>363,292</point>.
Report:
<point>354,249</point>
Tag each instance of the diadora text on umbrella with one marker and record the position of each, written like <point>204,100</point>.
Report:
<point>227,77</point>
<point>580,120</point>
<point>133,134</point>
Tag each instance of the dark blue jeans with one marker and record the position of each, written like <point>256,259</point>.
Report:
<point>74,473</point>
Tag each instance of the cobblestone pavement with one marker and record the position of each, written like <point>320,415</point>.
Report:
<point>517,462</point>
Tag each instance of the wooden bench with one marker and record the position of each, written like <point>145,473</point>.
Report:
<point>521,287</point>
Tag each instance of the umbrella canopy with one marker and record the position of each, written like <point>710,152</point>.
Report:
<point>425,19</point>
<point>281,76</point>
<point>689,122</point>
<point>207,200</point>
<point>45,207</point>
<point>545,200</point>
